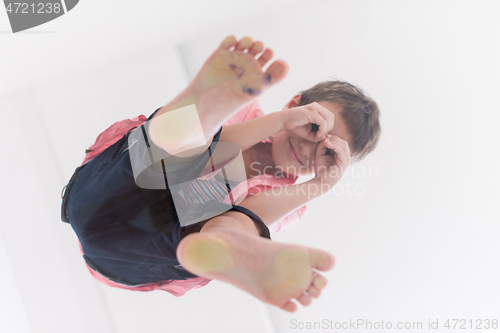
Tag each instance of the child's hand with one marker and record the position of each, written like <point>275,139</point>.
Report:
<point>333,157</point>
<point>304,120</point>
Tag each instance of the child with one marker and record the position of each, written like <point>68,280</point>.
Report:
<point>131,237</point>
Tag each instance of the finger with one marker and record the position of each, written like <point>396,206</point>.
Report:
<point>322,123</point>
<point>338,140</point>
<point>313,136</point>
<point>305,132</point>
<point>321,148</point>
<point>323,165</point>
<point>329,117</point>
<point>324,161</point>
<point>341,157</point>
<point>343,143</point>
<point>317,118</point>
<point>335,146</point>
<point>321,160</point>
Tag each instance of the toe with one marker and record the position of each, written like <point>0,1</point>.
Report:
<point>256,48</point>
<point>304,299</point>
<point>319,281</point>
<point>312,290</point>
<point>321,260</point>
<point>228,42</point>
<point>276,72</point>
<point>289,306</point>
<point>265,57</point>
<point>244,44</point>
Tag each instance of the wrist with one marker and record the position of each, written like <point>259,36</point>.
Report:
<point>280,121</point>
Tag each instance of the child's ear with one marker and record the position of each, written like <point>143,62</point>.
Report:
<point>293,102</point>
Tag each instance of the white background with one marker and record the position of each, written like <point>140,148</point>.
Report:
<point>418,241</point>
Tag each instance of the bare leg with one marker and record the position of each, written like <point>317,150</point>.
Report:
<point>231,251</point>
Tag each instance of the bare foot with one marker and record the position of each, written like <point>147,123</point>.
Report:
<point>234,78</point>
<point>229,79</point>
<point>273,272</point>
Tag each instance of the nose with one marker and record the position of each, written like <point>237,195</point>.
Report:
<point>307,149</point>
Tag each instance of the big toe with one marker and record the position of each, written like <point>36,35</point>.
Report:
<point>321,260</point>
<point>277,71</point>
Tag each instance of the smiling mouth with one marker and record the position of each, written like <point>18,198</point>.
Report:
<point>294,152</point>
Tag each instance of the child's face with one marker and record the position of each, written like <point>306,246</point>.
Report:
<point>282,153</point>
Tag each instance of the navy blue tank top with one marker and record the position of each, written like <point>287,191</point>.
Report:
<point>128,234</point>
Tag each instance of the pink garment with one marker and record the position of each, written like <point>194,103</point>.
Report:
<point>255,185</point>
<point>112,134</point>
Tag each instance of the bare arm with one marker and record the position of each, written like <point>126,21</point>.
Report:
<point>271,206</point>
<point>298,120</point>
<point>248,133</point>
